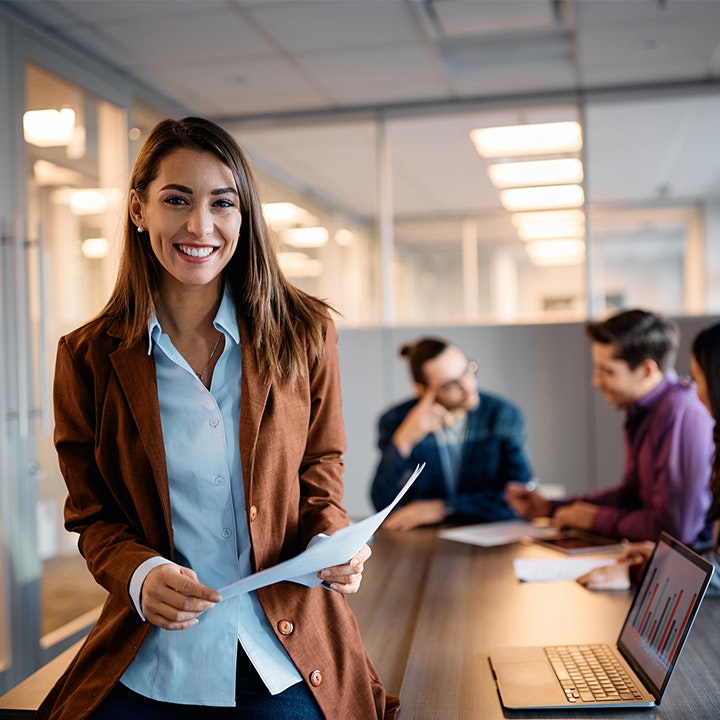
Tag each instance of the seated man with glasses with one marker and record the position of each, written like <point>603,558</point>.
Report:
<point>473,444</point>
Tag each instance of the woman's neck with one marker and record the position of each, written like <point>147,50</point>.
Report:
<point>186,310</point>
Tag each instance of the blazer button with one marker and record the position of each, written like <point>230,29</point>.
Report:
<point>316,678</point>
<point>285,627</point>
<point>253,513</point>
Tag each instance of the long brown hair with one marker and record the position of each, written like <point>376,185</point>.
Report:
<point>706,351</point>
<point>281,318</point>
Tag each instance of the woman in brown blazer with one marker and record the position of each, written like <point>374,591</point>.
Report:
<point>200,434</point>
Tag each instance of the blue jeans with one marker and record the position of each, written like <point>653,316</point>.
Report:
<point>254,702</point>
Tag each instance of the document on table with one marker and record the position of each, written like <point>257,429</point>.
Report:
<point>496,533</point>
<point>543,570</point>
<point>336,549</point>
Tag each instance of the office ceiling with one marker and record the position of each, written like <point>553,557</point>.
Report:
<point>252,63</point>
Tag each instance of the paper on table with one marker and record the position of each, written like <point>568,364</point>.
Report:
<point>335,549</point>
<point>496,533</point>
<point>542,569</point>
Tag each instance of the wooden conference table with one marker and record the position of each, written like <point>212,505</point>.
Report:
<point>431,609</point>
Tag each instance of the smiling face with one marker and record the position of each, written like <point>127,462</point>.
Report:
<point>613,377</point>
<point>192,214</point>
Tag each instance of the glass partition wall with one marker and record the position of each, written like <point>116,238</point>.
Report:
<point>619,216</point>
<point>76,160</point>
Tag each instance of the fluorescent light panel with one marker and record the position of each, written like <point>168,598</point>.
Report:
<point>95,248</point>
<point>562,171</point>
<point>531,139</point>
<point>536,198</point>
<point>548,253</point>
<point>49,128</point>
<point>549,224</point>
<point>284,214</point>
<point>307,237</point>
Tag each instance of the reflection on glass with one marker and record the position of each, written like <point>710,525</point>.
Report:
<point>319,195</point>
<point>77,165</point>
<point>653,190</point>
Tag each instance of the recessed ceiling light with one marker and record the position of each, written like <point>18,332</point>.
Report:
<point>308,237</point>
<point>536,198</point>
<point>559,171</point>
<point>556,252</point>
<point>531,139</point>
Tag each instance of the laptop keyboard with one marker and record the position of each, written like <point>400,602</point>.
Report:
<point>591,673</point>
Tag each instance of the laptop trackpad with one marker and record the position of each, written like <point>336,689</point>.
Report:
<point>527,682</point>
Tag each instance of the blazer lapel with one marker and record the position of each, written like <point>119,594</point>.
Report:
<point>254,392</point>
<point>135,370</point>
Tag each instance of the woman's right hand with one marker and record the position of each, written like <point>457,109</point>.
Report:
<point>172,597</point>
<point>617,575</point>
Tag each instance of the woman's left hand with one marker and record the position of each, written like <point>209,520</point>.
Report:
<point>346,579</point>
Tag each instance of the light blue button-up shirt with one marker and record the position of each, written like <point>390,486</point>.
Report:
<point>201,430</point>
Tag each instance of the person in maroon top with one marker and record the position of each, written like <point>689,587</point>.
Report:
<point>705,371</point>
<point>668,439</point>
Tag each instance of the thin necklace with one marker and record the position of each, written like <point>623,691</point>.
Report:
<point>212,352</point>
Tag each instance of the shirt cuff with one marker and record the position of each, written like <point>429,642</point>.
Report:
<point>605,522</point>
<point>138,578</point>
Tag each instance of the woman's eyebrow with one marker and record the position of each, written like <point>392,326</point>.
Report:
<point>188,191</point>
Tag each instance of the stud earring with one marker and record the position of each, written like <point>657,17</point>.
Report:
<point>140,228</point>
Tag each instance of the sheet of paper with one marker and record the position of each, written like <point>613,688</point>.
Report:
<point>542,570</point>
<point>496,533</point>
<point>335,549</point>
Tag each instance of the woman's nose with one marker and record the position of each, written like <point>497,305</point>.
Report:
<point>200,222</point>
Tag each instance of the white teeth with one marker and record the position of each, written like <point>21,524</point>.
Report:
<point>195,251</point>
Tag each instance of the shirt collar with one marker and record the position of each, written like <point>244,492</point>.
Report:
<point>669,378</point>
<point>225,321</point>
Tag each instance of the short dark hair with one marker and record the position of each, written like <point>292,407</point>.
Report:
<point>419,352</point>
<point>638,335</point>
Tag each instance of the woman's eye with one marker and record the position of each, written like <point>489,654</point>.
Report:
<point>225,203</point>
<point>175,200</point>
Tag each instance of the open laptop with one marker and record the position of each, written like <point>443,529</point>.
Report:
<point>651,639</point>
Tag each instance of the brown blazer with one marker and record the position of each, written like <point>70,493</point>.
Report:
<point>109,441</point>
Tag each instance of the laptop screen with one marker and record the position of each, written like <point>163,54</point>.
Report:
<point>663,611</point>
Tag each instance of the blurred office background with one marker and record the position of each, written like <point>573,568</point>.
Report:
<point>373,128</point>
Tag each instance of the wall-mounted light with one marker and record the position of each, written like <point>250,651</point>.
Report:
<point>536,198</point>
<point>530,139</point>
<point>307,237</point>
<point>558,171</point>
<point>49,128</point>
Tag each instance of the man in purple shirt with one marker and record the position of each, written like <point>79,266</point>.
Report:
<point>668,439</point>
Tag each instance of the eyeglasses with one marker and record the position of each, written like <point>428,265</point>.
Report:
<point>452,386</point>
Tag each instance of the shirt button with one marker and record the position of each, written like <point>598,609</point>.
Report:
<point>219,480</point>
<point>316,678</point>
<point>226,533</point>
<point>213,422</point>
<point>253,513</point>
<point>285,627</point>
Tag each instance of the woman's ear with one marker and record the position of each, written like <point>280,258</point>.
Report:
<point>135,209</point>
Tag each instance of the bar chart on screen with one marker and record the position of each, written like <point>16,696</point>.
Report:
<point>662,616</point>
